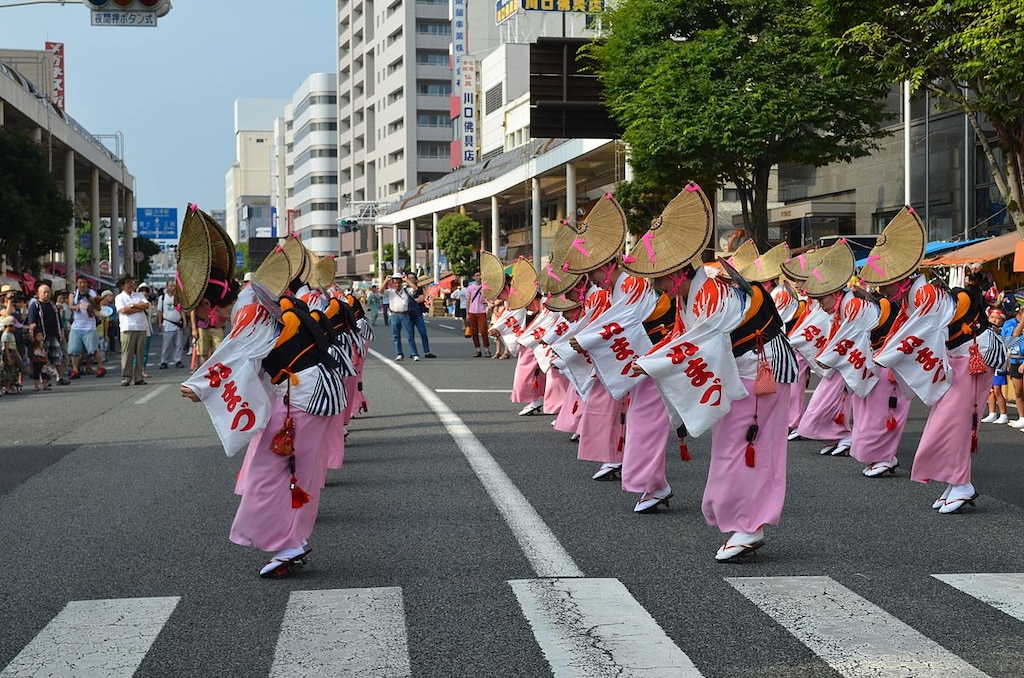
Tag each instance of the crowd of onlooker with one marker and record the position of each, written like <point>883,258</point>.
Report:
<point>50,339</point>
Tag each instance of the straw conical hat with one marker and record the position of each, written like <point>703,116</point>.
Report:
<point>311,280</point>
<point>524,285</point>
<point>325,270</point>
<point>676,238</point>
<point>799,267</point>
<point>221,244</point>
<point>195,258</point>
<point>898,252</point>
<point>768,266</point>
<point>298,257</point>
<point>552,279</point>
<point>831,271</point>
<point>561,302</point>
<point>274,273</point>
<point>744,255</point>
<point>596,240</point>
<point>492,276</point>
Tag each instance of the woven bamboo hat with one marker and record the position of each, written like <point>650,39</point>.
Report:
<point>523,288</point>
<point>492,276</point>
<point>221,244</point>
<point>898,252</point>
<point>596,240</point>
<point>274,273</point>
<point>676,238</point>
<point>552,279</point>
<point>799,267</point>
<point>311,279</point>
<point>768,266</point>
<point>744,255</point>
<point>298,256</point>
<point>561,302</point>
<point>195,259</point>
<point>325,271</point>
<point>831,270</point>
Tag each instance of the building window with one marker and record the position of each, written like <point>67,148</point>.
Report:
<point>434,89</point>
<point>429,28</point>
<point>433,150</point>
<point>432,58</point>
<point>433,120</point>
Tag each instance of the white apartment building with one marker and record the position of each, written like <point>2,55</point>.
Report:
<point>247,182</point>
<point>305,186</point>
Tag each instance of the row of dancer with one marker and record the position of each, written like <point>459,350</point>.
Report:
<point>283,385</point>
<point>656,341</point>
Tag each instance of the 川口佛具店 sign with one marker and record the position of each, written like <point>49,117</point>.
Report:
<point>588,6</point>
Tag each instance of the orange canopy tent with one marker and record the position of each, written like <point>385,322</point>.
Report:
<point>978,253</point>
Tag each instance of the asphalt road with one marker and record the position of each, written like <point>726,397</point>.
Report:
<point>118,494</point>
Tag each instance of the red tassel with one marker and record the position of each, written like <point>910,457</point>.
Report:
<point>890,423</point>
<point>622,443</point>
<point>684,451</point>
<point>974,441</point>
<point>364,407</point>
<point>749,455</point>
<point>299,496</point>
<point>575,406</point>
<point>840,418</point>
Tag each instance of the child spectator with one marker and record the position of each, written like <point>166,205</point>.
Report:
<point>996,399</point>
<point>40,361</point>
<point>10,359</point>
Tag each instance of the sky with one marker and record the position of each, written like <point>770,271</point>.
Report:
<point>170,90</point>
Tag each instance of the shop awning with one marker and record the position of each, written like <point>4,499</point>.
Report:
<point>978,253</point>
<point>442,286</point>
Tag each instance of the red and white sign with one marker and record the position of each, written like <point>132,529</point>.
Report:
<point>57,93</point>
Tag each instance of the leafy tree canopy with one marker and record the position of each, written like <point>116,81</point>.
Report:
<point>35,215</point>
<point>966,53</point>
<point>725,90</point>
<point>459,237</point>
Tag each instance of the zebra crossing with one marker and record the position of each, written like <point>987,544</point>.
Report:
<point>583,626</point>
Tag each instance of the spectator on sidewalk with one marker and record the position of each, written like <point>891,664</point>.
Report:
<point>397,302</point>
<point>43,315</point>
<point>83,339</point>
<point>131,308</point>
<point>416,301</point>
<point>476,315</point>
<point>10,358</point>
<point>172,326</point>
<point>144,290</point>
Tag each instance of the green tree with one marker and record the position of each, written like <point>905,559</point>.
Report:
<point>721,91</point>
<point>966,53</point>
<point>389,251</point>
<point>149,249</point>
<point>34,214</point>
<point>458,237</point>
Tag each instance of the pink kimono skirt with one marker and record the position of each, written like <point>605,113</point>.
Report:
<point>797,395</point>
<point>741,498</point>
<point>569,415</point>
<point>647,431</point>
<point>265,518</point>
<point>600,429</point>
<point>828,401</point>
<point>528,383</point>
<point>944,453</point>
<point>873,441</point>
<point>555,388</point>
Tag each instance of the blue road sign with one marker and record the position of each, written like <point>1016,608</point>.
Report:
<point>157,223</point>
<point>239,259</point>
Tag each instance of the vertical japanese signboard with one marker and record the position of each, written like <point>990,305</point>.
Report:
<point>57,94</point>
<point>467,112</point>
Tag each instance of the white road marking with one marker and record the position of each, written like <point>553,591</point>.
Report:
<point>105,638</point>
<point>152,394</point>
<point>472,390</point>
<point>594,627</point>
<point>343,632</point>
<point>447,327</point>
<point>539,544</point>
<point>855,637</point>
<point>1005,592</point>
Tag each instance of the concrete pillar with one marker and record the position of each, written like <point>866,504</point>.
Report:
<point>436,252</point>
<point>570,193</point>
<point>1,113</point>
<point>115,217</point>
<point>380,253</point>
<point>535,217</point>
<point>412,246</point>
<point>394,248</point>
<point>94,217</point>
<point>129,232</point>
<point>495,226</point>
<point>70,267</point>
<point>37,135</point>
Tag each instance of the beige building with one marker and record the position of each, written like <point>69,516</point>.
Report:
<point>247,182</point>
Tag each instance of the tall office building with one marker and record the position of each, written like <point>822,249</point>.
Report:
<point>247,182</point>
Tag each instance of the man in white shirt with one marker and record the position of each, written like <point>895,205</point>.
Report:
<point>131,309</point>
<point>398,306</point>
<point>172,323</point>
<point>83,338</point>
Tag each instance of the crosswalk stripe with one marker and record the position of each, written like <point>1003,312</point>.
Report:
<point>1003,591</point>
<point>594,627</point>
<point>856,638</point>
<point>343,632</point>
<point>106,638</point>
